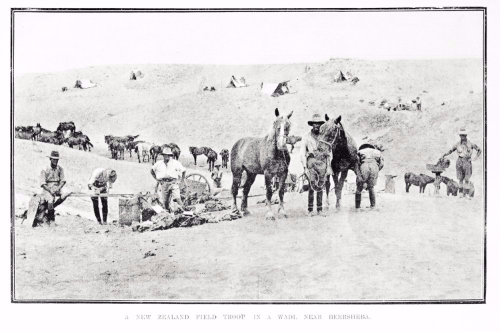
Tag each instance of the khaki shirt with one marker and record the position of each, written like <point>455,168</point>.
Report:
<point>371,155</point>
<point>52,177</point>
<point>464,150</point>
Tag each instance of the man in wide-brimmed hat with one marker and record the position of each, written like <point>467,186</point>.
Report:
<point>52,181</point>
<point>167,172</point>
<point>101,181</point>
<point>370,162</point>
<point>464,164</point>
<point>217,175</point>
<point>309,145</point>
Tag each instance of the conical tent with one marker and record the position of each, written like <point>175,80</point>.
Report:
<point>339,77</point>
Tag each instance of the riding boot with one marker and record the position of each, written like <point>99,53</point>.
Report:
<point>50,215</point>
<point>371,192</point>
<point>357,200</point>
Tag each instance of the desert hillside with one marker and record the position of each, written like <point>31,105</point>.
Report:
<point>168,106</point>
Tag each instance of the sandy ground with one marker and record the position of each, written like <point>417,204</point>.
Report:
<point>416,247</point>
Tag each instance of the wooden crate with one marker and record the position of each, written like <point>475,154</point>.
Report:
<point>129,210</point>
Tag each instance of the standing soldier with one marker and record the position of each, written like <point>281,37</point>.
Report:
<point>101,181</point>
<point>464,163</point>
<point>167,172</point>
<point>217,175</point>
<point>309,145</point>
<point>370,163</point>
<point>51,180</point>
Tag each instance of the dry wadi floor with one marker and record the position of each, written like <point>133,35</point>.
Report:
<point>415,247</point>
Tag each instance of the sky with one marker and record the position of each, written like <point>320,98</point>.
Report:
<point>45,42</point>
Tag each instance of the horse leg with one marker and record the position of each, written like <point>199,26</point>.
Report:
<point>194,158</point>
<point>246,189</point>
<point>234,189</point>
<point>327,190</point>
<point>269,194</point>
<point>338,187</point>
<point>281,194</point>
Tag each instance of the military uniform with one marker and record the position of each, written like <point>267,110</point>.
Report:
<point>464,164</point>
<point>370,163</point>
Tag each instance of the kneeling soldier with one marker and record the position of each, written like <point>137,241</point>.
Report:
<point>101,181</point>
<point>370,163</point>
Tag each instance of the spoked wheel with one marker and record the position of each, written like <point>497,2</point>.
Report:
<point>196,183</point>
<point>302,184</point>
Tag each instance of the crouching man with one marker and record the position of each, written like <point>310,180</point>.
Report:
<point>101,181</point>
<point>167,173</point>
<point>42,206</point>
<point>370,163</point>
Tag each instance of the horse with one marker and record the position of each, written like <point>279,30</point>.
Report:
<point>130,146</point>
<point>142,149</point>
<point>198,151</point>
<point>65,127</point>
<point>154,152</point>
<point>451,186</point>
<point>292,140</point>
<point>85,140</point>
<point>211,158</point>
<point>224,154</point>
<point>175,150</point>
<point>344,155</point>
<point>24,135</point>
<point>37,131</point>
<point>267,155</point>
<point>123,139</point>
<point>421,181</point>
<point>78,141</point>
<point>64,89</point>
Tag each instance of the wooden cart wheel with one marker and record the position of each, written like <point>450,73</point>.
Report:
<point>198,178</point>
<point>302,181</point>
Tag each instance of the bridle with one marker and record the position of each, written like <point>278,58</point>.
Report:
<point>330,145</point>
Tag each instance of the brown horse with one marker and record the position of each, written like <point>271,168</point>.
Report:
<point>211,158</point>
<point>267,155</point>
<point>344,154</point>
<point>224,154</point>
<point>123,139</point>
<point>199,151</point>
<point>154,152</point>
<point>292,140</point>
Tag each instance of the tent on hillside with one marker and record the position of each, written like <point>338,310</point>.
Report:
<point>275,89</point>
<point>339,77</point>
<point>84,84</point>
<point>235,83</point>
<point>135,74</point>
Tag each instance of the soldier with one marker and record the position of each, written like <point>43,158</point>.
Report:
<point>217,175</point>
<point>52,181</point>
<point>464,164</point>
<point>101,181</point>
<point>167,172</point>
<point>309,145</point>
<point>370,163</point>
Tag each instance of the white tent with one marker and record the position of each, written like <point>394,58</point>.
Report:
<point>275,89</point>
<point>235,83</point>
<point>84,84</point>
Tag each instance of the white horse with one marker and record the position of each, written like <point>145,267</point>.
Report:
<point>142,149</point>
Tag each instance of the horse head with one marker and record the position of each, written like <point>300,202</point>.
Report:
<point>332,132</point>
<point>280,130</point>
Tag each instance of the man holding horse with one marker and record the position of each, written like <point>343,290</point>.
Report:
<point>370,163</point>
<point>464,164</point>
<point>167,173</point>
<point>309,146</point>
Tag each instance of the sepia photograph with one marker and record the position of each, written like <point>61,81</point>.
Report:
<point>249,156</point>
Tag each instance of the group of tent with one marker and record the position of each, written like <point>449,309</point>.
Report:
<point>348,77</point>
<point>271,89</point>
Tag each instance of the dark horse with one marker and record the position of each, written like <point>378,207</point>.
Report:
<point>224,154</point>
<point>268,156</point>
<point>211,158</point>
<point>344,155</point>
<point>199,151</point>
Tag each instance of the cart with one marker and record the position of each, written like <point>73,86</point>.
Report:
<point>194,187</point>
